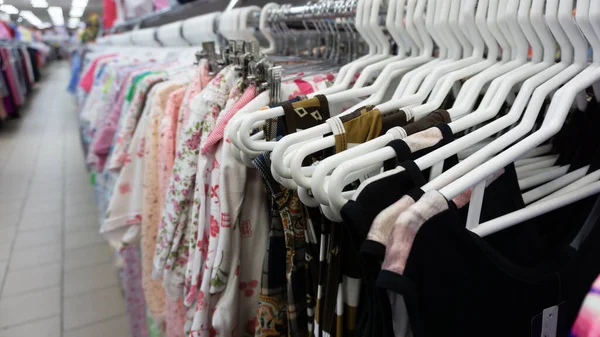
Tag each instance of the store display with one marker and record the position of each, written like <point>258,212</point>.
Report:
<point>342,179</point>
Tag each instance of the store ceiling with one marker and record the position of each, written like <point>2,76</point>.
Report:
<point>42,13</point>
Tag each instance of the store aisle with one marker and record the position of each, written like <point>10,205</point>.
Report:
<point>56,272</point>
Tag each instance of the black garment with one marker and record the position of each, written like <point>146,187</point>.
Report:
<point>362,259</point>
<point>518,243</point>
<point>364,263</point>
<point>403,151</point>
<point>565,142</point>
<point>457,284</point>
<point>34,63</point>
<point>587,138</point>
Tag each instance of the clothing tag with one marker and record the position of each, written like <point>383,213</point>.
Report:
<point>371,174</point>
<point>549,323</point>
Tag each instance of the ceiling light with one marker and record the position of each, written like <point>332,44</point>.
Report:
<point>76,12</point>
<point>73,23</point>
<point>32,18</point>
<point>9,9</point>
<point>79,3</point>
<point>56,14</point>
<point>39,3</point>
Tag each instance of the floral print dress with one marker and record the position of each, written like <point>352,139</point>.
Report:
<point>130,118</point>
<point>171,254</point>
<point>175,311</point>
<point>153,290</point>
<point>209,219</point>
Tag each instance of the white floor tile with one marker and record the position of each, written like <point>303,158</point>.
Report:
<point>7,234</point>
<point>93,307</point>
<point>31,221</point>
<point>49,327</point>
<point>5,251</point>
<point>116,327</point>
<point>2,270</point>
<point>25,280</point>
<point>9,219</point>
<point>86,279</point>
<point>88,256</point>
<point>39,237</point>
<point>28,307</point>
<point>80,210</point>
<point>35,256</point>
<point>47,211</point>
<point>82,238</point>
<point>36,209</point>
<point>82,222</point>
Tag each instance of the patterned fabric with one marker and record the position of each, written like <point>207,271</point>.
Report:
<point>125,206</point>
<point>406,228</point>
<point>207,202</point>
<point>112,86</point>
<point>199,82</point>
<point>210,264</point>
<point>130,118</point>
<point>250,234</point>
<point>87,80</point>
<point>153,290</point>
<point>587,323</point>
<point>171,254</point>
<point>104,137</point>
<point>168,138</point>
<point>131,275</point>
<point>272,310</point>
<point>175,311</point>
<point>284,299</point>
<point>216,135</point>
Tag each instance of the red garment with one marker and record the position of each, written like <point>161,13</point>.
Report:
<point>110,13</point>
<point>161,4</point>
<point>87,80</point>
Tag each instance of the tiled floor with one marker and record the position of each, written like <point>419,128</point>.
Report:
<point>56,272</point>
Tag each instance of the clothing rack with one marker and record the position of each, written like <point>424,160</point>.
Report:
<point>170,27</point>
<point>169,15</point>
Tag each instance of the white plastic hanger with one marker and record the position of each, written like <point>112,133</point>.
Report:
<point>327,165</point>
<point>415,28</point>
<point>392,66</point>
<point>282,146</point>
<point>318,182</point>
<point>327,142</point>
<point>530,212</point>
<point>404,97</point>
<point>377,156</point>
<point>478,135</point>
<point>554,183</point>
<point>265,29</point>
<point>578,78</point>
<point>379,47</point>
<point>250,120</point>
<point>467,97</point>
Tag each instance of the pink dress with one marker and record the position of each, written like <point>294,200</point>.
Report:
<point>166,156</point>
<point>153,290</point>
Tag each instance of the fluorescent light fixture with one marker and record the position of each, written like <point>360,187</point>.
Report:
<point>45,25</point>
<point>56,14</point>
<point>79,3</point>
<point>76,12</point>
<point>74,22</point>
<point>32,18</point>
<point>39,3</point>
<point>9,9</point>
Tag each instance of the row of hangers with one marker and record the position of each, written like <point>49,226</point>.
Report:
<point>486,42</point>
